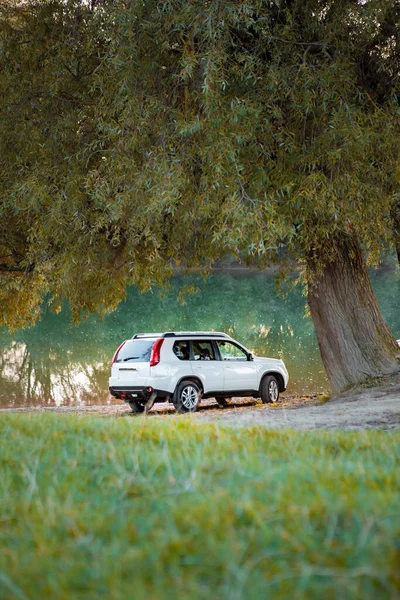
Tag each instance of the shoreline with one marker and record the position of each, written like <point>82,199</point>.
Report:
<point>367,407</point>
<point>290,400</point>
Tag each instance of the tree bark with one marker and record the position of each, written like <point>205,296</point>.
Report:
<point>354,340</point>
<point>396,228</point>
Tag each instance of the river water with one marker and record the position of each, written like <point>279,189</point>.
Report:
<point>55,363</point>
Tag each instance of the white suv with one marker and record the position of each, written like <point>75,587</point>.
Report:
<point>185,366</point>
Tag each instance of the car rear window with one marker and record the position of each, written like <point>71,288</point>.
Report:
<point>181,349</point>
<point>135,351</point>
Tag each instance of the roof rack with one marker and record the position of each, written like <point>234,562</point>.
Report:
<point>199,333</point>
<point>169,334</point>
<point>146,335</point>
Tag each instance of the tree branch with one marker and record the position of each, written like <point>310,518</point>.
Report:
<point>7,268</point>
<point>303,44</point>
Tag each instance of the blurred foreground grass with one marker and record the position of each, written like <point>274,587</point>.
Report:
<point>164,508</point>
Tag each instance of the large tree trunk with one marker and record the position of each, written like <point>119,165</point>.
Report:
<point>396,228</point>
<point>354,340</point>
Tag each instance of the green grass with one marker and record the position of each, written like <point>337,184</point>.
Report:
<point>164,508</point>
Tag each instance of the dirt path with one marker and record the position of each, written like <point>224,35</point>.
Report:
<point>374,407</point>
<point>365,412</point>
<point>366,407</point>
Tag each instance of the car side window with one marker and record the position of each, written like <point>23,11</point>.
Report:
<point>203,350</point>
<point>230,351</point>
<point>181,350</point>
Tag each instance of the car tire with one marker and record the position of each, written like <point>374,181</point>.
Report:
<point>269,389</point>
<point>223,401</point>
<point>187,396</point>
<point>136,406</point>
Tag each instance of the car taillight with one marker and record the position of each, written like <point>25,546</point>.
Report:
<point>155,352</point>
<point>116,352</point>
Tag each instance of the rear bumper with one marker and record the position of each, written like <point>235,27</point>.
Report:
<point>134,392</point>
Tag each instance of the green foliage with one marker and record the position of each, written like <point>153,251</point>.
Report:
<point>140,135</point>
<point>163,509</point>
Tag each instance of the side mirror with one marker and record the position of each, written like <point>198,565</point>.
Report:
<point>250,356</point>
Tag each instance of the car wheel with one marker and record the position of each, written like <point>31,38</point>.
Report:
<point>269,389</point>
<point>187,396</point>
<point>136,406</point>
<point>223,401</point>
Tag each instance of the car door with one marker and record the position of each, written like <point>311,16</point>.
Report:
<point>240,373</point>
<point>205,364</point>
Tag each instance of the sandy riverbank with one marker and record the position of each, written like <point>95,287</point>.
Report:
<point>366,407</point>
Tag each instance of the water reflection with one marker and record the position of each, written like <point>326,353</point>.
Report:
<point>56,364</point>
<point>26,379</point>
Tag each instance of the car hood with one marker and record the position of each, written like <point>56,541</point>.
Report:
<point>275,361</point>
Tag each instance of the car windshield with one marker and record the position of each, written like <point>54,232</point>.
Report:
<point>135,351</point>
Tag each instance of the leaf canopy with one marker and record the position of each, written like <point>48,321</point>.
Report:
<point>140,135</point>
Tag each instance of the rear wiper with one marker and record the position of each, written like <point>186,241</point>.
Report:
<point>129,358</point>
